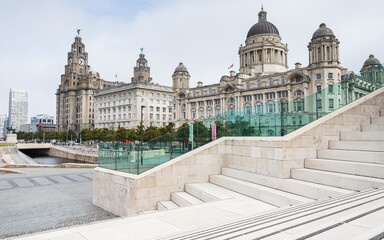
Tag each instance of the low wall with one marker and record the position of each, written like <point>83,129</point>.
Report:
<point>126,194</point>
<point>72,155</point>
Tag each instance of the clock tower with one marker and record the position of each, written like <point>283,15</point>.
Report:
<point>74,97</point>
<point>141,72</point>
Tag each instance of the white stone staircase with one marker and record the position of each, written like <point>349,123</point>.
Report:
<point>358,215</point>
<point>353,163</point>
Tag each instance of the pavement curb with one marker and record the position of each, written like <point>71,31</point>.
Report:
<point>11,171</point>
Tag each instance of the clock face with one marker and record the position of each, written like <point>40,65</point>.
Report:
<point>81,61</point>
<point>70,61</point>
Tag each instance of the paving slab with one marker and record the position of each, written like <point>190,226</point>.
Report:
<point>46,199</point>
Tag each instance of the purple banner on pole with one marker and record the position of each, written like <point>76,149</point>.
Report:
<point>213,127</point>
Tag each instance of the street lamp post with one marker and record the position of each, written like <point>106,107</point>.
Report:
<point>141,142</point>
<point>66,141</point>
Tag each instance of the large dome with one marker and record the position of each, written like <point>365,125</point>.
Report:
<point>181,68</point>
<point>322,31</point>
<point>372,61</point>
<point>262,26</point>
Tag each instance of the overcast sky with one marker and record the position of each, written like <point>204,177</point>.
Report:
<point>205,35</point>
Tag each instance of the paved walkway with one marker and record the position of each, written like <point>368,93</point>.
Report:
<point>159,224</point>
<point>45,199</point>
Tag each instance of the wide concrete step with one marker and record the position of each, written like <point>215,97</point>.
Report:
<point>184,199</point>
<point>363,210</point>
<point>362,136</point>
<point>378,120</point>
<point>207,192</point>
<point>166,205</point>
<point>377,146</point>
<point>340,180</point>
<point>355,168</point>
<point>302,188</point>
<point>146,212</point>
<point>349,155</point>
<point>372,127</point>
<point>265,194</point>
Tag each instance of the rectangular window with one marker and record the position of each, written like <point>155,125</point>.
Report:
<point>318,76</point>
<point>318,88</point>
<point>330,103</point>
<point>330,75</point>
<point>319,104</point>
<point>330,89</point>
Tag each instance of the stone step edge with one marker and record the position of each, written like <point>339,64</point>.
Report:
<point>363,178</point>
<point>193,185</point>
<point>267,189</point>
<point>177,194</point>
<point>309,184</point>
<point>345,162</point>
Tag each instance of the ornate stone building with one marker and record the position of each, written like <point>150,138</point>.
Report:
<point>74,97</point>
<point>264,85</point>
<point>264,81</point>
<point>120,106</point>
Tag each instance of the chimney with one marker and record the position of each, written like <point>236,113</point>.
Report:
<point>297,65</point>
<point>232,73</point>
<point>199,84</point>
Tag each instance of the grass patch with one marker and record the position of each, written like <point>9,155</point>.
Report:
<point>7,144</point>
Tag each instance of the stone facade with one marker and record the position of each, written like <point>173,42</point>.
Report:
<point>74,97</point>
<point>120,106</point>
<point>262,83</point>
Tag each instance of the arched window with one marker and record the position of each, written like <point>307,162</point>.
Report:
<point>282,80</point>
<point>259,84</point>
<point>181,83</point>
<point>299,78</point>
<point>299,93</point>
<point>248,85</point>
<point>270,82</point>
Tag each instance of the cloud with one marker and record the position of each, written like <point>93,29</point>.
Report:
<point>204,34</point>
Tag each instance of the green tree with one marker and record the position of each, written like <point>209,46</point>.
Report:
<point>121,134</point>
<point>131,135</point>
<point>86,134</point>
<point>221,130</point>
<point>151,133</point>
